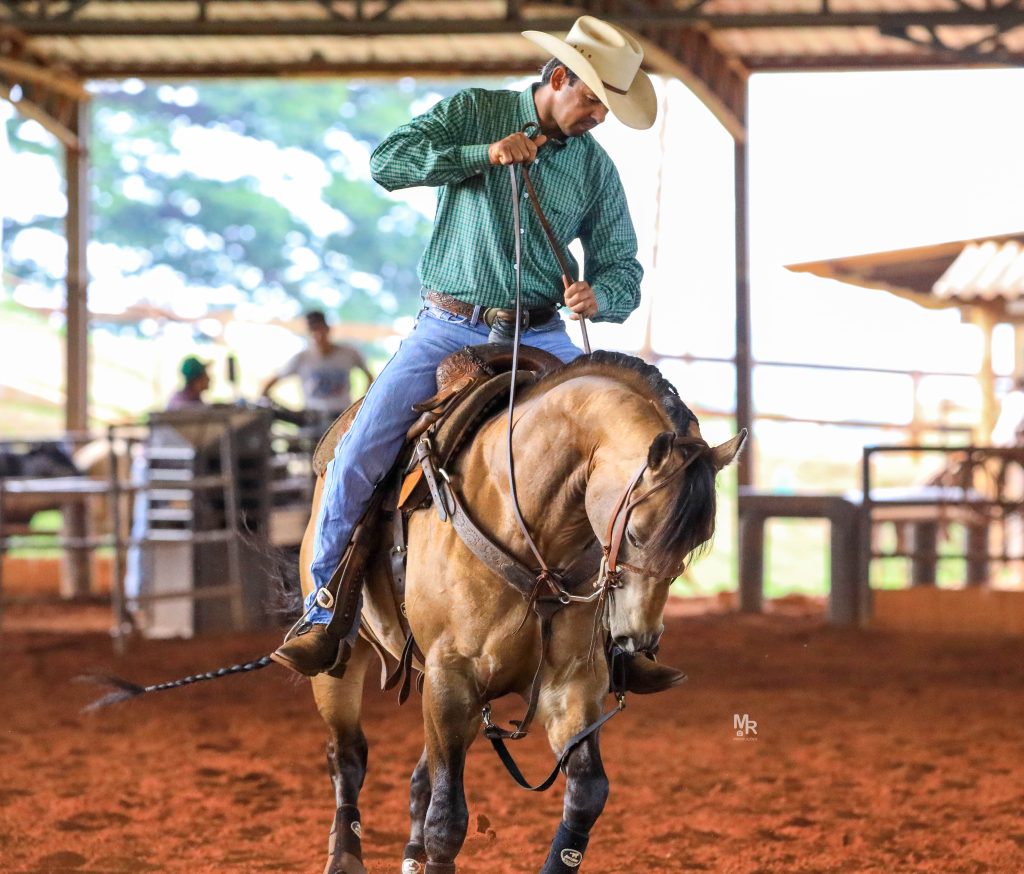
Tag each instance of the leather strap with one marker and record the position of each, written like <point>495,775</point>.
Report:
<point>397,556</point>
<point>425,456</point>
<point>619,520</point>
<point>489,315</point>
<point>531,129</point>
<point>485,549</point>
<point>341,593</point>
<point>403,672</point>
<point>498,742</point>
<point>545,608</point>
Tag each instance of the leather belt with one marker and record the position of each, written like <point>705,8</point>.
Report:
<point>489,315</point>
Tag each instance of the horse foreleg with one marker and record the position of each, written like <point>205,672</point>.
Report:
<point>339,704</point>
<point>419,800</point>
<point>450,708</point>
<point>586,791</point>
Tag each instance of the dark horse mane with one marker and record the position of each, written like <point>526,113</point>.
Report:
<point>690,522</point>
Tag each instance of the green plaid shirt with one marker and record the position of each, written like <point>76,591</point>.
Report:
<point>471,254</point>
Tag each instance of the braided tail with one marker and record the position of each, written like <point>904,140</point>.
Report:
<point>125,691</point>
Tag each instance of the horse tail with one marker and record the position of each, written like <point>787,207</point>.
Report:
<point>284,589</point>
<point>125,690</point>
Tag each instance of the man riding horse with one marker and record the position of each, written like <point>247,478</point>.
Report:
<point>468,269</point>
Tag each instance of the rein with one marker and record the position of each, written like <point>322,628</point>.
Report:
<point>531,128</point>
<point>610,573</point>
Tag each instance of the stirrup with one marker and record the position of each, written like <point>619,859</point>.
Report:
<point>313,650</point>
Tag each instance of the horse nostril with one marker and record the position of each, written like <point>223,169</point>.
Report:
<point>647,643</point>
<point>626,644</point>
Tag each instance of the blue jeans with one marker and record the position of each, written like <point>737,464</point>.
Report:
<point>367,452</point>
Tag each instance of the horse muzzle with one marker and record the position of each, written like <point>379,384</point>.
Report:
<point>640,643</point>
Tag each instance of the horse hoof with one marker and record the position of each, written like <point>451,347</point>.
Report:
<point>346,863</point>
<point>415,860</point>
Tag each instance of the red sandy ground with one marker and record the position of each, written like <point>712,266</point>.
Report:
<point>874,752</point>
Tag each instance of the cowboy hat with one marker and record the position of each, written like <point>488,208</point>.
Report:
<point>607,59</point>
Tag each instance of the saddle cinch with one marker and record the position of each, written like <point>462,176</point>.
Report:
<point>472,384</point>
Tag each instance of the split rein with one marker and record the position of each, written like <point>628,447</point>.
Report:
<point>609,575</point>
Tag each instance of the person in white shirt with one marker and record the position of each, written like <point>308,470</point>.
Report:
<point>324,369</point>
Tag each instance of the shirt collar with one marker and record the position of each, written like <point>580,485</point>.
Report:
<point>528,112</point>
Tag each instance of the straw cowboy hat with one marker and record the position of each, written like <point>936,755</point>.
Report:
<point>607,59</point>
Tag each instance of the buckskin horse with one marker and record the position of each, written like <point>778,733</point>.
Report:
<point>521,585</point>
<point>607,456</point>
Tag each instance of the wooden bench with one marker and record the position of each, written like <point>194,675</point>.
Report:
<point>848,594</point>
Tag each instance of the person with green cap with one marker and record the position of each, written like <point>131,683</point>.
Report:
<point>197,381</point>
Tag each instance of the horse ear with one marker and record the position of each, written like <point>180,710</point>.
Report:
<point>660,449</point>
<point>725,453</point>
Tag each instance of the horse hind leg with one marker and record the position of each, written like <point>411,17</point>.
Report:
<point>339,704</point>
<point>415,857</point>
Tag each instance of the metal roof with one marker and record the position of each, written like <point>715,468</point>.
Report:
<point>986,272</point>
<point>713,45</point>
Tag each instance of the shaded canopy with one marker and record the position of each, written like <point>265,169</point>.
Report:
<point>987,273</point>
<point>47,47</point>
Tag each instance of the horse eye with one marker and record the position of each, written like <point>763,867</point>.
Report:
<point>632,538</point>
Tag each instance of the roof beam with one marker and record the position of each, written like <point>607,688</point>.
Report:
<point>846,63</point>
<point>719,80</point>
<point>39,91</point>
<point>1004,18</point>
<point>314,68</point>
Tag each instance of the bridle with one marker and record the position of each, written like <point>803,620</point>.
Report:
<point>610,575</point>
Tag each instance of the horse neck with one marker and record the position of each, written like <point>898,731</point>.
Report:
<point>590,428</point>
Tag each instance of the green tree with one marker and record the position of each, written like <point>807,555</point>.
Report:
<point>159,197</point>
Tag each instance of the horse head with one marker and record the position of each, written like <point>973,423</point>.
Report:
<point>651,520</point>
<point>673,519</point>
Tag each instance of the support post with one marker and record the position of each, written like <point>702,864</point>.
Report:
<point>77,283</point>
<point>744,361</point>
<point>986,322</point>
<point>76,581</point>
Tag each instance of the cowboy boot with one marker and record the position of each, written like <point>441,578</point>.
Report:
<point>645,676</point>
<point>315,647</point>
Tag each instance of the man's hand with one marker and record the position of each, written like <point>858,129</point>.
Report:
<point>579,297</point>
<point>516,148</point>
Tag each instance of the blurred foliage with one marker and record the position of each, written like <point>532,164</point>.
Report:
<point>233,233</point>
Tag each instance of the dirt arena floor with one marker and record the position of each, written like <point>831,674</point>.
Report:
<point>874,752</point>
